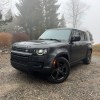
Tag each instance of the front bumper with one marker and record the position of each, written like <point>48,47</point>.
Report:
<point>30,63</point>
<point>28,68</point>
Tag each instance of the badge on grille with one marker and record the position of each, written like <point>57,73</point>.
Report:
<point>26,50</point>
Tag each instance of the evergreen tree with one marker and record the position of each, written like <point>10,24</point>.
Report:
<point>50,13</point>
<point>6,13</point>
<point>62,22</point>
<point>4,22</point>
<point>0,15</point>
<point>37,16</point>
<point>31,18</point>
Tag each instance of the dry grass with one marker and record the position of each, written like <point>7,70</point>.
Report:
<point>5,40</point>
<point>96,49</point>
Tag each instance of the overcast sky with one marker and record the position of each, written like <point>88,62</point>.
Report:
<point>91,20</point>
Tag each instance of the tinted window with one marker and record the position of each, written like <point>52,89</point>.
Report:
<point>83,36</point>
<point>75,33</point>
<point>91,38</point>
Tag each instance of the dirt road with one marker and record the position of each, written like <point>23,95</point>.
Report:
<point>82,84</point>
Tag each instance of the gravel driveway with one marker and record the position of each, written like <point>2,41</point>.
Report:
<point>83,83</point>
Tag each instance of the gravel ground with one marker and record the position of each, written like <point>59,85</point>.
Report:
<point>82,84</point>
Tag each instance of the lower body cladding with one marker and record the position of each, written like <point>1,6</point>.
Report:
<point>30,63</point>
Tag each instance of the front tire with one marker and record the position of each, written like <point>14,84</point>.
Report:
<point>87,60</point>
<point>61,70</point>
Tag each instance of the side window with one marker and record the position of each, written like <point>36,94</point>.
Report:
<point>75,33</point>
<point>83,36</point>
<point>86,38</point>
<point>91,38</point>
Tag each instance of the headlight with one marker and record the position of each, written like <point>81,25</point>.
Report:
<point>41,51</point>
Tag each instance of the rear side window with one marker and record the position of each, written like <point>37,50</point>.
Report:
<point>83,36</point>
<point>91,38</point>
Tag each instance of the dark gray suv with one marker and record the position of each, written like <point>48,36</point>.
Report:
<point>53,53</point>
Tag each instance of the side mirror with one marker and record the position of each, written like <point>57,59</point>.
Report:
<point>75,38</point>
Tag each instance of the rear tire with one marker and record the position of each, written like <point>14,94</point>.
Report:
<point>60,72</point>
<point>87,60</point>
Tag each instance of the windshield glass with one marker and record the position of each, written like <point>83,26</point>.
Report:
<point>56,34</point>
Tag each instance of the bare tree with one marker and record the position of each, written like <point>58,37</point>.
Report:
<point>75,11</point>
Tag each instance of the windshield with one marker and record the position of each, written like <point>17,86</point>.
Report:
<point>56,34</point>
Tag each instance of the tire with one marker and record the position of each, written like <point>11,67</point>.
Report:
<point>87,60</point>
<point>60,71</point>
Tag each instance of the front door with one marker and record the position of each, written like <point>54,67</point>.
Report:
<point>75,48</point>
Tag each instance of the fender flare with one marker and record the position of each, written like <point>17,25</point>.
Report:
<point>61,54</point>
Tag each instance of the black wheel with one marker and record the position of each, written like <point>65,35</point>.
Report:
<point>87,60</point>
<point>60,70</point>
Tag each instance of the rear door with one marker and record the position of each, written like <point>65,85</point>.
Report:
<point>83,43</point>
<point>75,48</point>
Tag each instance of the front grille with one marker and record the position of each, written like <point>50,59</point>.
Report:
<point>23,49</point>
<point>19,49</point>
<point>19,55</point>
<point>25,61</point>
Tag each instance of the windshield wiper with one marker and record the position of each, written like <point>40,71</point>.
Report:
<point>51,39</point>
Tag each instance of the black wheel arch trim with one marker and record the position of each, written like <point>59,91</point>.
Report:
<point>61,54</point>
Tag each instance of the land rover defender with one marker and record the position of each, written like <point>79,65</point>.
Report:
<point>53,53</point>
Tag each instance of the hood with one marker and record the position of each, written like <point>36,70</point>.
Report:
<point>39,44</point>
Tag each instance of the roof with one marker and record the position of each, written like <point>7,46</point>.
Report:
<point>70,29</point>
